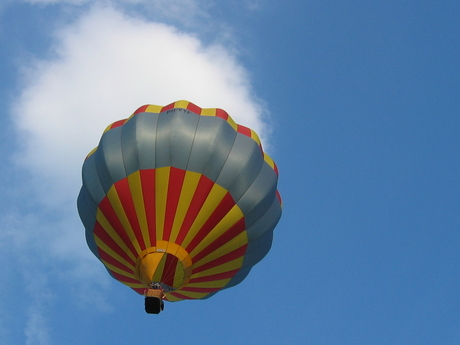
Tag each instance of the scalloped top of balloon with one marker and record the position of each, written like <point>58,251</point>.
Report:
<point>151,108</point>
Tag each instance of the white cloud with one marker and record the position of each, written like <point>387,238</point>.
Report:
<point>105,66</point>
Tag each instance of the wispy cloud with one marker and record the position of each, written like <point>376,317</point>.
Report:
<point>37,329</point>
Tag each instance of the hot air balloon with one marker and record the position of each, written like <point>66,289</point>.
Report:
<point>179,202</point>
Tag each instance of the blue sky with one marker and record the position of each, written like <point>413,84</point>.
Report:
<point>358,103</point>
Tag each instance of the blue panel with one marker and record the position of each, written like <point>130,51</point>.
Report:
<point>91,179</point>
<point>259,196</point>
<point>239,277</point>
<point>241,167</point>
<point>257,249</point>
<point>266,222</point>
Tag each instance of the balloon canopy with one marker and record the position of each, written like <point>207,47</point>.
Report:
<point>180,196</point>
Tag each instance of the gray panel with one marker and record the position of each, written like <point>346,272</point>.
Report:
<point>129,146</point>
<point>206,133</point>
<point>86,208</point>
<point>109,159</point>
<point>87,213</point>
<point>259,196</point>
<point>91,179</point>
<point>163,140</point>
<point>266,222</point>
<point>184,125</point>
<point>146,131</point>
<point>241,167</point>
<point>214,151</point>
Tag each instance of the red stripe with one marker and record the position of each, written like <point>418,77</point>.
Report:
<point>228,235</point>
<point>221,210</point>
<point>169,270</point>
<point>199,197</point>
<point>210,278</point>
<point>222,260</point>
<point>178,295</point>
<point>117,124</point>
<point>107,258</point>
<point>140,291</point>
<point>200,290</point>
<point>244,130</point>
<point>148,192</point>
<point>124,193</point>
<point>167,107</point>
<point>275,167</point>
<point>141,109</point>
<point>176,179</point>
<point>112,218</point>
<point>278,196</point>
<point>194,108</point>
<point>100,232</point>
<point>124,279</point>
<point>222,114</point>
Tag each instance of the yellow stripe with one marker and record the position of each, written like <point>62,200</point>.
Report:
<point>215,196</point>
<point>113,234</point>
<point>255,137</point>
<point>91,152</point>
<point>172,298</point>
<point>269,161</point>
<point>231,245</point>
<point>232,123</point>
<point>181,104</point>
<point>233,216</point>
<point>161,194</point>
<point>188,189</point>
<point>211,284</point>
<point>178,275</point>
<point>228,266</point>
<point>153,109</point>
<point>133,285</point>
<point>113,254</point>
<point>159,271</point>
<point>118,270</point>
<point>114,199</point>
<point>195,295</point>
<point>107,128</point>
<point>208,112</point>
<point>134,181</point>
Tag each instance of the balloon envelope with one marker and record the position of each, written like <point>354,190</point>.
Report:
<point>181,196</point>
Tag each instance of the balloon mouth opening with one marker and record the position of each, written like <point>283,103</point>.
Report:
<point>167,263</point>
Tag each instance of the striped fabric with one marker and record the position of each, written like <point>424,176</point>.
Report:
<point>182,196</point>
